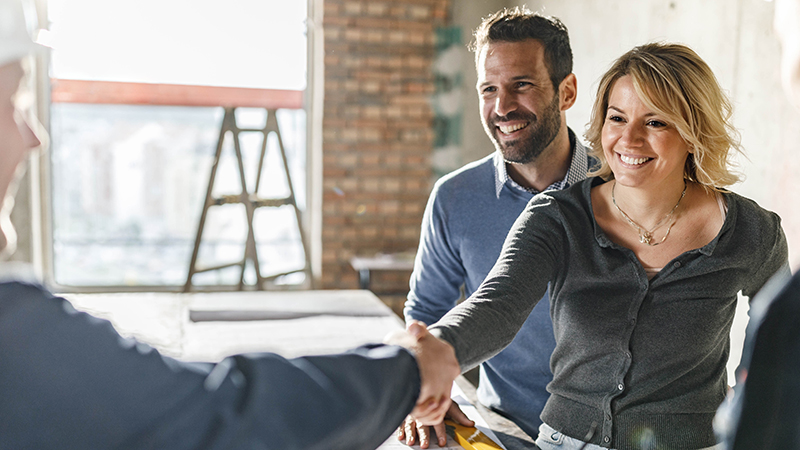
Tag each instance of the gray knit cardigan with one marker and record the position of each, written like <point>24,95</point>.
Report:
<point>643,361</point>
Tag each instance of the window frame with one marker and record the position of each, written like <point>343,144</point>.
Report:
<point>40,217</point>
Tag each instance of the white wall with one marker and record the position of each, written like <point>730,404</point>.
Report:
<point>735,38</point>
<point>468,14</point>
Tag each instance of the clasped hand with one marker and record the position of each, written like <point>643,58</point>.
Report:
<point>438,368</point>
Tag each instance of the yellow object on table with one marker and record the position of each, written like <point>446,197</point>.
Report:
<point>470,438</point>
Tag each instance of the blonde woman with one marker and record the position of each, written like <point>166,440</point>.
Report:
<point>644,263</point>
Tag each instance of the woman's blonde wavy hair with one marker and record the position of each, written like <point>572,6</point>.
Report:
<point>673,81</point>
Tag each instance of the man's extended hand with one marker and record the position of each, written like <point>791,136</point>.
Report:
<point>409,430</point>
<point>438,368</point>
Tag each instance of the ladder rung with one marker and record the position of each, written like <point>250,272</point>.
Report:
<point>256,130</point>
<point>226,199</point>
<point>271,202</point>
<point>223,266</point>
<point>278,275</point>
<point>256,201</point>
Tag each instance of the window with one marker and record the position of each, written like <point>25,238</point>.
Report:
<point>128,178</point>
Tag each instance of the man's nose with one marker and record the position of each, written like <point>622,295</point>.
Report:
<point>504,103</point>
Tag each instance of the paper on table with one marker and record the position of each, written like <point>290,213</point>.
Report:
<point>468,408</point>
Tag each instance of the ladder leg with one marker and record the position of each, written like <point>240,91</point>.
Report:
<point>272,114</point>
<point>265,133</point>
<point>251,251</point>
<point>225,126</point>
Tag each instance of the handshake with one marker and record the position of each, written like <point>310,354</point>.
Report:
<point>438,368</point>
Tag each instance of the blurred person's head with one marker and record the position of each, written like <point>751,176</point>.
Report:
<point>16,136</point>
<point>787,27</point>
<point>674,82</point>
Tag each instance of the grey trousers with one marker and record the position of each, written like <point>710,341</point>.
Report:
<point>550,439</point>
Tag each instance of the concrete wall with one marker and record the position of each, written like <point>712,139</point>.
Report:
<point>735,37</point>
<point>468,14</point>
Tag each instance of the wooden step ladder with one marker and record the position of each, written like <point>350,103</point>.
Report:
<point>251,202</point>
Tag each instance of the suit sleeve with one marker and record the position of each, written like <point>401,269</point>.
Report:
<point>71,382</point>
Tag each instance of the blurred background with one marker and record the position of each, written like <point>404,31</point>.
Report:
<point>374,100</point>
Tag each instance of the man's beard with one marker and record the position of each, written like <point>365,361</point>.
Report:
<point>544,130</point>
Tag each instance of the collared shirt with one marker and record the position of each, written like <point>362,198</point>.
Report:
<point>575,173</point>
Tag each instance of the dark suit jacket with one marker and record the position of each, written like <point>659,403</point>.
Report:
<point>765,413</point>
<point>69,381</point>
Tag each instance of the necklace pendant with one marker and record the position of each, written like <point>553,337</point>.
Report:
<point>645,238</point>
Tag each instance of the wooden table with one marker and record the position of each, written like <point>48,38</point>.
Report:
<point>210,326</point>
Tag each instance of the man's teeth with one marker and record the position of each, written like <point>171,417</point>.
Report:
<point>634,161</point>
<point>512,128</point>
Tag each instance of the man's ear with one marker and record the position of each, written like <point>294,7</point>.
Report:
<point>568,92</point>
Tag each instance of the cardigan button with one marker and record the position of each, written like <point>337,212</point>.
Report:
<point>620,386</point>
<point>606,439</point>
<point>677,264</point>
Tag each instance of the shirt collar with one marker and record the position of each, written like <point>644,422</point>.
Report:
<point>578,168</point>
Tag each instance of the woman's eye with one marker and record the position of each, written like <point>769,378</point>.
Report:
<point>615,119</point>
<point>656,124</point>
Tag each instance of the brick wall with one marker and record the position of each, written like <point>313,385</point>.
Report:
<point>377,132</point>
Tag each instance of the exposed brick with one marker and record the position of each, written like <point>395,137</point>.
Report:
<point>379,9</point>
<point>370,159</point>
<point>377,133</point>
<point>420,12</point>
<point>392,185</point>
<point>372,112</point>
<point>353,8</point>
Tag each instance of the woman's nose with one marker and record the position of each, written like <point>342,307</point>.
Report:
<point>631,135</point>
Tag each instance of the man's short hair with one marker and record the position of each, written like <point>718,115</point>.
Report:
<point>519,24</point>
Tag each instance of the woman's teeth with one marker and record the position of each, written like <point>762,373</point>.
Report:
<point>634,161</point>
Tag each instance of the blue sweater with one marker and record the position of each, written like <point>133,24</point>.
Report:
<point>463,230</point>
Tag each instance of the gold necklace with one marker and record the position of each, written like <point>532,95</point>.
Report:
<point>645,236</point>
